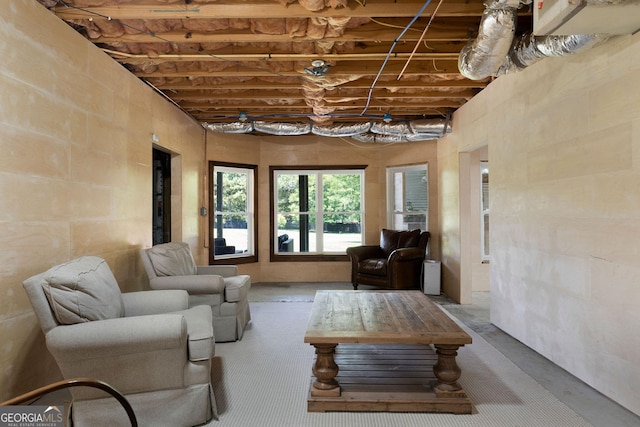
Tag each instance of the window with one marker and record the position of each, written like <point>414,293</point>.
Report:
<point>408,197</point>
<point>317,212</point>
<point>484,210</point>
<point>232,230</point>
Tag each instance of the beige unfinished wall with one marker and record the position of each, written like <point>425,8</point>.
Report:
<point>75,172</point>
<point>314,150</point>
<point>454,160</point>
<point>564,144</point>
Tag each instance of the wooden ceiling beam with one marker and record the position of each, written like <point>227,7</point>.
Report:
<point>357,104</point>
<point>307,114</point>
<point>372,32</point>
<point>366,47</point>
<point>232,9</point>
<point>124,58</point>
<point>345,69</point>
<point>363,83</point>
<point>333,97</point>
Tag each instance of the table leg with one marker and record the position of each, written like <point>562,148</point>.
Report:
<point>446,370</point>
<point>325,370</point>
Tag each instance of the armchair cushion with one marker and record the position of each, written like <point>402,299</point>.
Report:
<point>83,290</point>
<point>375,266</point>
<point>409,239</point>
<point>172,259</point>
<point>390,240</point>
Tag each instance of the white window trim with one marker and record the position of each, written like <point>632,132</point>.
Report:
<point>249,213</point>
<point>391,192</point>
<point>319,213</point>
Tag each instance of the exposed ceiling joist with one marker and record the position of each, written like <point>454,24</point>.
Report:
<point>217,59</point>
<point>231,9</point>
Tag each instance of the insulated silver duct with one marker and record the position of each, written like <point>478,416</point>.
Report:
<point>374,137</point>
<point>413,137</point>
<point>391,139</point>
<point>341,129</point>
<point>530,49</point>
<point>483,56</point>
<point>434,126</point>
<point>282,128</point>
<point>418,130</point>
<point>400,128</point>
<point>493,52</point>
<point>235,127</point>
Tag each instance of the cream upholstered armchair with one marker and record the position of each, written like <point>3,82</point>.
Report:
<point>171,266</point>
<point>148,345</point>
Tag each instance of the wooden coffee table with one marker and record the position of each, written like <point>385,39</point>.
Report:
<point>385,360</point>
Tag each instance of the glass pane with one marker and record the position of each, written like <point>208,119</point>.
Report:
<point>416,190</point>
<point>337,237</point>
<point>413,221</point>
<point>291,187</point>
<point>288,193</point>
<point>300,229</point>
<point>485,184</point>
<point>231,192</point>
<point>341,192</point>
<point>231,234</point>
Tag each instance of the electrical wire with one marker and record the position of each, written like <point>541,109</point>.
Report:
<point>243,64</point>
<point>393,46</point>
<point>433,15</point>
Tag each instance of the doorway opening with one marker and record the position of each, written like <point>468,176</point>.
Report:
<point>161,197</point>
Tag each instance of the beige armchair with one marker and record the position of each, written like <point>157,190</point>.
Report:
<point>147,345</point>
<point>171,266</point>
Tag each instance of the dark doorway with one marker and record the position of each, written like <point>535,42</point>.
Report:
<point>161,197</point>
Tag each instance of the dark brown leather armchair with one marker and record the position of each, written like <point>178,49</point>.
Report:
<point>396,263</point>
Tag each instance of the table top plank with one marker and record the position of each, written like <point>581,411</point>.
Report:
<point>380,317</point>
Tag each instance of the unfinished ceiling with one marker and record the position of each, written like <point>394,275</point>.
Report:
<point>320,62</point>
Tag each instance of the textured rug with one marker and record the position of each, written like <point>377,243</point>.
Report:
<point>263,381</point>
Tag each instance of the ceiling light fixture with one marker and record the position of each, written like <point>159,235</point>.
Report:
<point>320,68</point>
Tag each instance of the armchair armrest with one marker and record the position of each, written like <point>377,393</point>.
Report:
<point>154,302</point>
<point>220,270</point>
<point>106,339</point>
<point>358,253</point>
<point>195,284</point>
<point>406,254</point>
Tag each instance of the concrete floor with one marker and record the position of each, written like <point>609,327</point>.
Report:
<point>594,407</point>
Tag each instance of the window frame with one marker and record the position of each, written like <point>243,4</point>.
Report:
<point>252,213</point>
<point>307,257</point>
<point>391,170</point>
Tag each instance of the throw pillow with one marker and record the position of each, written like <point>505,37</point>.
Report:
<point>83,290</point>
